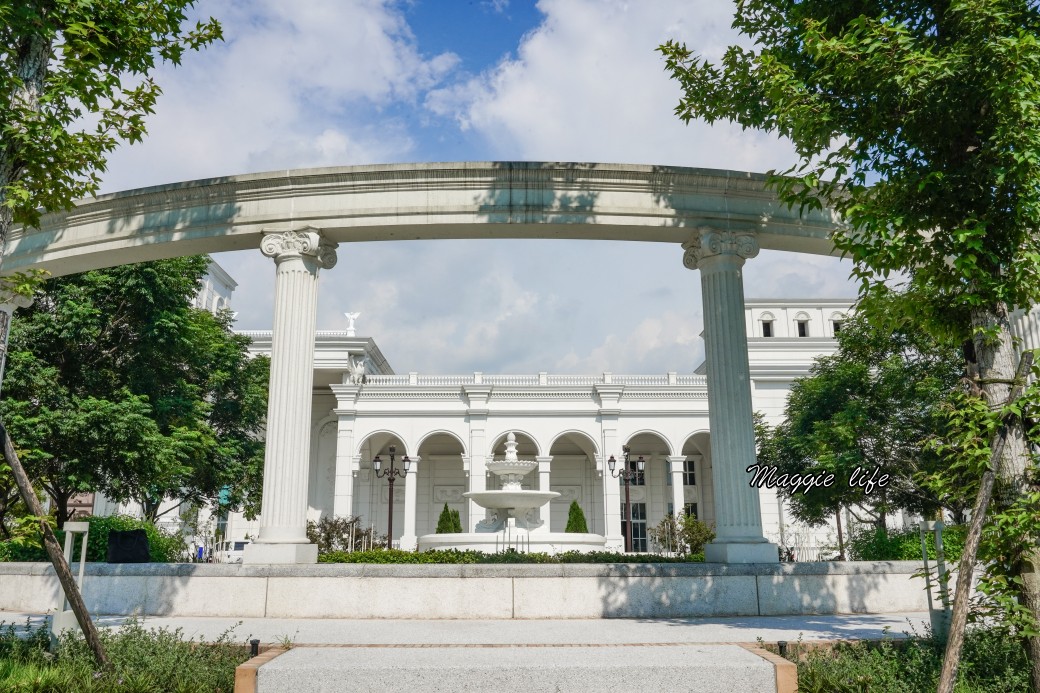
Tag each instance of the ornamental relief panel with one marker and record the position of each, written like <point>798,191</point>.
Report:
<point>448,494</point>
<point>567,493</point>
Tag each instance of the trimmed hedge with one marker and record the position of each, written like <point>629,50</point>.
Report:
<point>455,556</point>
<point>163,547</point>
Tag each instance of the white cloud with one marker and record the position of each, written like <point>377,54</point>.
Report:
<point>295,84</point>
<point>588,85</point>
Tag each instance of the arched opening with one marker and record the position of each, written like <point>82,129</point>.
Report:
<point>649,492</point>
<point>572,474</point>
<point>372,493</point>
<point>441,480</point>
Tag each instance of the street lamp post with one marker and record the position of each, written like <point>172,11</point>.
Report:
<point>390,473</point>
<point>628,475</point>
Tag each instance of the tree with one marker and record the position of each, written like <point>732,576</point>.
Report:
<point>117,384</point>
<point>874,404</point>
<point>919,123</point>
<point>576,519</point>
<point>63,63</point>
<point>445,523</point>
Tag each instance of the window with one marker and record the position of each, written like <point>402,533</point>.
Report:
<point>836,324</point>
<point>691,510</point>
<point>639,542</point>
<point>689,477</point>
<point>803,328</point>
<point>767,328</point>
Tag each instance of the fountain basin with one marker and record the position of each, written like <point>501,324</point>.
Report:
<point>511,500</point>
<point>494,542</point>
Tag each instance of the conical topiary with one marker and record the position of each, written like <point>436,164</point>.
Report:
<point>456,521</point>
<point>446,522</point>
<point>576,520</point>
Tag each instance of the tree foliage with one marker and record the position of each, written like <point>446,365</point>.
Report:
<point>874,403</point>
<point>117,384</point>
<point>75,80</point>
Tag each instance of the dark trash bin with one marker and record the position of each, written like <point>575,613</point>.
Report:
<point>128,546</point>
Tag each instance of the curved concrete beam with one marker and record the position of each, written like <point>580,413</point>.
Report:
<point>416,201</point>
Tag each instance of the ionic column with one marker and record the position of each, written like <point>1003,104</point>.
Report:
<point>720,255</point>
<point>545,512</point>
<point>676,467</point>
<point>409,540</point>
<point>298,256</point>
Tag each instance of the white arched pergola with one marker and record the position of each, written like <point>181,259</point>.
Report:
<point>298,218</point>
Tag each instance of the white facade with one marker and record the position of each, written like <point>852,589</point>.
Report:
<point>448,425</point>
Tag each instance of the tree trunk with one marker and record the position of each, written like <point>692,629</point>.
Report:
<point>955,636</point>
<point>996,363</point>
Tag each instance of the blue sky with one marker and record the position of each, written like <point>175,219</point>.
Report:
<point>340,82</point>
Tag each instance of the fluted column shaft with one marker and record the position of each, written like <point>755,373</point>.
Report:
<point>298,256</point>
<point>720,256</point>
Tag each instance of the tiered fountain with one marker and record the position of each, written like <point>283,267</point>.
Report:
<point>512,518</point>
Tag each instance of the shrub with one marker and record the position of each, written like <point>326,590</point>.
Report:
<point>341,534</point>
<point>875,544</point>
<point>683,534</point>
<point>456,519</point>
<point>163,546</point>
<point>991,662</point>
<point>576,519</point>
<point>142,660</point>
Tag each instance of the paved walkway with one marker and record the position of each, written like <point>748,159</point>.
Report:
<point>349,632</point>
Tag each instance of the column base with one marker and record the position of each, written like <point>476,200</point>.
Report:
<point>257,553</point>
<point>719,552</point>
<point>408,543</point>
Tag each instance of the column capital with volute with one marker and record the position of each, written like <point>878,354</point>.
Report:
<point>709,242</point>
<point>308,241</point>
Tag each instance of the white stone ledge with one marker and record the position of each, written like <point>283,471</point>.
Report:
<point>496,591</point>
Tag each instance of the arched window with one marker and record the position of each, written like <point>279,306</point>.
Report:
<point>767,324</point>
<point>802,324</point>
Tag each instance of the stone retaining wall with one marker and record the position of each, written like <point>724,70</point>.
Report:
<point>475,591</point>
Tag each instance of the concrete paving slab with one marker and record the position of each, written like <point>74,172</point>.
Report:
<point>690,668</point>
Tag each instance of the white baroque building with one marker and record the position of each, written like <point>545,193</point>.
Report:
<point>449,425</point>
